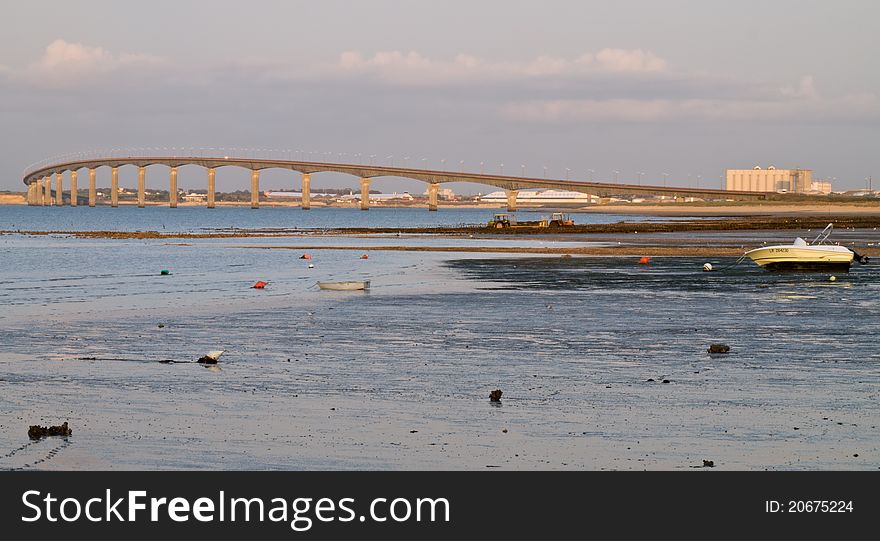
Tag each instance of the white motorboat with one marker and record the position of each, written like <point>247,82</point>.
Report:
<point>345,286</point>
<point>818,255</point>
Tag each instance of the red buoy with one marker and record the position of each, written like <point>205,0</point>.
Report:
<point>645,260</point>
<point>365,256</point>
<point>259,285</point>
<point>306,256</point>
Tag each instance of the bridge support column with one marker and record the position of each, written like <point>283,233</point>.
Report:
<point>47,191</point>
<point>114,187</point>
<point>365,194</point>
<point>306,202</point>
<point>172,188</point>
<point>255,189</point>
<point>142,186</point>
<point>511,200</point>
<point>211,181</point>
<point>30,196</point>
<point>93,192</point>
<point>433,192</point>
<point>73,188</point>
<point>59,189</point>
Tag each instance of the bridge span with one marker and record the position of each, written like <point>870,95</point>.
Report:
<point>39,180</point>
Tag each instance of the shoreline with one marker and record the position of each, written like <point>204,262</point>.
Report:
<point>751,223</point>
<point>695,209</point>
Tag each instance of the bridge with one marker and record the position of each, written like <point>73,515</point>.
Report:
<point>39,179</point>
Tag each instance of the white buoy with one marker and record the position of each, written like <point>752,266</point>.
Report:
<point>833,279</point>
<point>311,266</point>
<point>707,267</point>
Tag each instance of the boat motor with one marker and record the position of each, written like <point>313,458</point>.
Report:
<point>862,259</point>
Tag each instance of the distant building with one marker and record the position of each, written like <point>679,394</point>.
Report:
<point>377,197</point>
<point>769,180</point>
<point>195,197</point>
<point>444,193</point>
<point>821,186</point>
<point>298,195</point>
<point>541,197</point>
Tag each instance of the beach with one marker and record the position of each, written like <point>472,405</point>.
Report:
<point>602,360</point>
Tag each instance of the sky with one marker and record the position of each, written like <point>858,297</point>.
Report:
<point>625,89</point>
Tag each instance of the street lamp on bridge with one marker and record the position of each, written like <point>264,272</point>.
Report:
<point>567,171</point>
<point>641,174</point>
<point>591,171</point>
<point>616,176</point>
<point>665,176</point>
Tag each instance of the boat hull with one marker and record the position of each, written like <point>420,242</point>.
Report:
<point>344,286</point>
<point>806,266</point>
<point>803,259</point>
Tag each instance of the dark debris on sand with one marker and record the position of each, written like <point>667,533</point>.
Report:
<point>36,432</point>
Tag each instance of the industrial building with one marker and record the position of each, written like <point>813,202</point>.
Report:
<point>769,180</point>
<point>541,197</point>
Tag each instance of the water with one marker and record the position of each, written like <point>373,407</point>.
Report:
<point>201,219</point>
<point>317,379</point>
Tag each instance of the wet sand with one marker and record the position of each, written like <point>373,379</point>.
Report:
<point>398,378</point>
<point>752,223</point>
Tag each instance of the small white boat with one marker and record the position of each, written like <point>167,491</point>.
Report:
<point>212,357</point>
<point>819,255</point>
<point>345,286</point>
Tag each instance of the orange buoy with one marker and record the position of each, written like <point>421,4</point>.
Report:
<point>259,285</point>
<point>645,260</point>
<point>365,256</point>
<point>306,256</point>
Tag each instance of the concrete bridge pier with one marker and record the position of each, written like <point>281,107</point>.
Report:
<point>172,188</point>
<point>142,185</point>
<point>30,196</point>
<point>365,194</point>
<point>93,192</point>
<point>114,187</point>
<point>59,189</point>
<point>47,191</point>
<point>305,202</point>
<point>255,189</point>
<point>73,188</point>
<point>511,200</point>
<point>211,182</point>
<point>433,192</point>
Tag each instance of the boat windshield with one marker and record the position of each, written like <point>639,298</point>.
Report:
<point>822,238</point>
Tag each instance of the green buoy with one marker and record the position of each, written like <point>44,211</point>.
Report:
<point>164,272</point>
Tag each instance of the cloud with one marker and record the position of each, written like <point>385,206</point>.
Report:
<point>856,106</point>
<point>414,68</point>
<point>806,89</point>
<point>66,64</point>
<point>622,60</point>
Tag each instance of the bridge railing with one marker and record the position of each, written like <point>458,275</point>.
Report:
<point>199,152</point>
